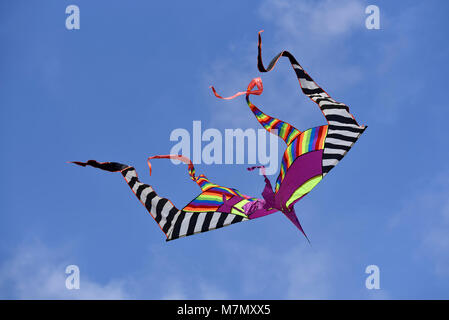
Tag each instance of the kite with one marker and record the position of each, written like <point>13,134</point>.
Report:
<point>309,156</point>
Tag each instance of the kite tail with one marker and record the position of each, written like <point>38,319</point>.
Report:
<point>282,129</point>
<point>161,209</point>
<point>336,113</point>
<point>186,160</point>
<point>201,180</point>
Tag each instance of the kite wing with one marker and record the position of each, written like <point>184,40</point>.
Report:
<point>214,208</point>
<point>310,154</point>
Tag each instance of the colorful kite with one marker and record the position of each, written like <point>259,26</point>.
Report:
<point>309,156</point>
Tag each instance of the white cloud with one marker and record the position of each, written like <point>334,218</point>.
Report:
<point>292,272</point>
<point>35,272</point>
<point>174,291</point>
<point>38,272</point>
<point>180,288</point>
<point>211,292</point>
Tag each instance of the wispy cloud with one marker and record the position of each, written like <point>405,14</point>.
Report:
<point>318,19</point>
<point>296,272</point>
<point>211,292</point>
<point>317,33</point>
<point>35,272</point>
<point>174,291</point>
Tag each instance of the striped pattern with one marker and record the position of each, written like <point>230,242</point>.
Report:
<point>189,223</point>
<point>284,130</point>
<point>310,140</point>
<point>212,199</point>
<point>338,142</point>
<point>161,209</point>
<point>343,129</point>
<point>203,182</point>
<point>173,222</point>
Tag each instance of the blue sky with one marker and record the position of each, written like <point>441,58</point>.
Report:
<point>116,88</point>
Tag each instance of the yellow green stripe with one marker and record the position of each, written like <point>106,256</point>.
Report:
<point>304,189</point>
<point>305,141</point>
<point>239,206</point>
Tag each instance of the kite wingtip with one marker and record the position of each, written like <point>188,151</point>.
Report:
<point>310,243</point>
<point>79,163</point>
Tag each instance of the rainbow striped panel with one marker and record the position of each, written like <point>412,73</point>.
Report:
<point>307,141</point>
<point>285,131</point>
<point>204,183</point>
<point>211,199</point>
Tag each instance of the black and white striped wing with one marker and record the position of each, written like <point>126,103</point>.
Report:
<point>173,222</point>
<point>190,223</point>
